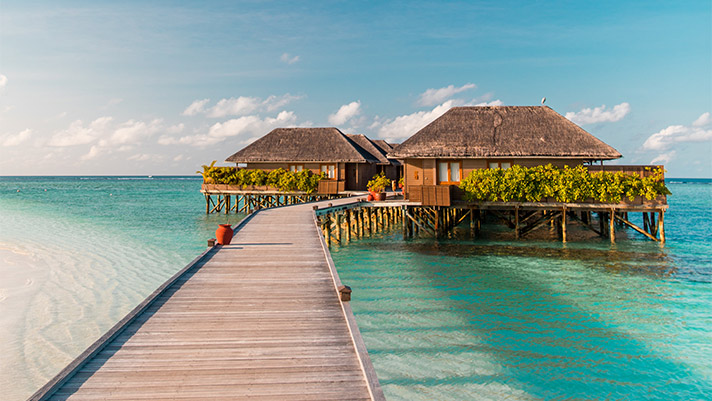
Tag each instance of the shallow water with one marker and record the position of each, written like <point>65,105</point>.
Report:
<point>500,319</point>
<point>453,319</point>
<point>77,254</point>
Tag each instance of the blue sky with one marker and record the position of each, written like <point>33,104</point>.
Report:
<point>163,87</point>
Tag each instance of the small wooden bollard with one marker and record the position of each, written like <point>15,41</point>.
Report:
<point>345,293</point>
<point>211,242</point>
<point>315,207</point>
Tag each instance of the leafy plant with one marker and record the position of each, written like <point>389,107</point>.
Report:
<point>568,184</point>
<point>378,183</point>
<point>283,180</point>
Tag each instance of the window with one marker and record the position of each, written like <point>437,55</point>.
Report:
<point>295,168</point>
<point>330,170</point>
<point>449,172</point>
<point>500,164</point>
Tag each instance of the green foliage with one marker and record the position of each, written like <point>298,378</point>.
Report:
<point>287,181</point>
<point>378,183</point>
<point>568,184</point>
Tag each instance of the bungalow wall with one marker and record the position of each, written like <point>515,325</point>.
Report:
<point>424,171</point>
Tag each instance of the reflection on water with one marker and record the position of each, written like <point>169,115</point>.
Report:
<point>494,319</point>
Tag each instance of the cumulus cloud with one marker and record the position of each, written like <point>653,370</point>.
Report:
<point>79,134</point>
<point>239,106</point>
<point>432,96</point>
<point>196,107</point>
<point>664,158</point>
<point>698,131</point>
<point>252,126</point>
<point>3,81</point>
<point>401,127</point>
<point>287,58</point>
<point>599,114</point>
<point>345,113</point>
<point>16,139</point>
<point>495,102</point>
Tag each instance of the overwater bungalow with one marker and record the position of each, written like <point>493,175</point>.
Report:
<point>467,138</point>
<point>349,160</point>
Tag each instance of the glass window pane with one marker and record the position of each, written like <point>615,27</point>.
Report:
<point>292,168</point>
<point>455,172</point>
<point>323,169</point>
<point>442,172</point>
<point>332,171</point>
<point>493,165</point>
<point>300,168</point>
<point>506,164</point>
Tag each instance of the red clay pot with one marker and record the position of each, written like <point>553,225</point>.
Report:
<point>369,198</point>
<point>223,235</point>
<point>381,196</point>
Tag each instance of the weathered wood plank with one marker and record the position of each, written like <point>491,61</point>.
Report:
<point>261,320</point>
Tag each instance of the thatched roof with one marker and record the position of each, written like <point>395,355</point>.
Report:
<point>326,145</point>
<point>385,149</point>
<point>503,131</point>
<point>370,147</point>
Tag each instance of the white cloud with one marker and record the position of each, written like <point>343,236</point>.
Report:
<point>431,97</point>
<point>401,127</point>
<point>599,114</point>
<point>78,134</point>
<point>702,120</point>
<point>287,58</point>
<point>495,102</point>
<point>664,139</point>
<point>132,132</point>
<point>16,139</point>
<point>234,106</point>
<point>239,106</point>
<point>345,113</point>
<point>93,153</point>
<point>3,81</point>
<point>196,107</point>
<point>175,129</point>
<point>252,125</point>
<point>664,158</point>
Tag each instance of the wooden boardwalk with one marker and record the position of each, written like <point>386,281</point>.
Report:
<point>259,319</point>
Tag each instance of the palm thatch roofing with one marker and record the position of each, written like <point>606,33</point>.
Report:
<point>503,131</point>
<point>369,146</point>
<point>327,145</point>
<point>385,149</point>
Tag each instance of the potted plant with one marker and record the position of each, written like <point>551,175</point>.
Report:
<point>401,183</point>
<point>377,186</point>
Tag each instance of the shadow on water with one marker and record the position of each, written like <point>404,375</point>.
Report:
<point>542,338</point>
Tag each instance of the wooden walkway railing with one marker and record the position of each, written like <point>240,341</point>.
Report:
<point>259,319</point>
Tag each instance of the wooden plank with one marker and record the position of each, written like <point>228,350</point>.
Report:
<point>260,320</point>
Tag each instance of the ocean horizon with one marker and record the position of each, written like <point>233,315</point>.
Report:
<point>442,319</point>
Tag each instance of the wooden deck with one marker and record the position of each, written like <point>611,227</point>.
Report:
<point>259,319</point>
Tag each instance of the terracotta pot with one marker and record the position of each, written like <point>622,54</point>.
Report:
<point>381,196</point>
<point>223,235</point>
<point>369,198</point>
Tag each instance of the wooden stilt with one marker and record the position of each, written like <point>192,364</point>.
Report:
<point>612,226</point>
<point>516,222</point>
<point>563,224</point>
<point>661,226</point>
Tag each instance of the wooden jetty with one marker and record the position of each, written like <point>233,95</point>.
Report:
<point>264,318</point>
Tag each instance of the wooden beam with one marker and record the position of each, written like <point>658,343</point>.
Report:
<point>636,228</point>
<point>563,224</point>
<point>661,226</point>
<point>612,226</point>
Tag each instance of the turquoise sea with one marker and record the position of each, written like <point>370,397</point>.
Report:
<point>452,319</point>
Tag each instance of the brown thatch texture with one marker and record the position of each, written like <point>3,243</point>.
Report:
<point>501,131</point>
<point>370,147</point>
<point>303,145</point>
<point>386,148</point>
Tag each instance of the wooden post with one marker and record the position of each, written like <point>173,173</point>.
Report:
<point>645,222</point>
<point>338,227</point>
<point>612,226</point>
<point>207,204</point>
<point>661,226</point>
<point>472,222</point>
<point>347,215</point>
<point>563,224</point>
<point>516,223</point>
<point>227,204</point>
<point>327,225</point>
